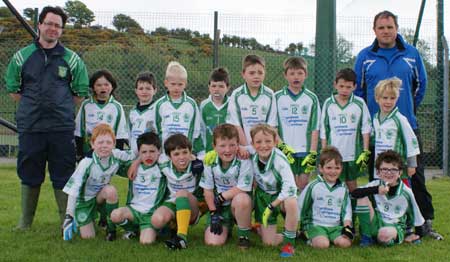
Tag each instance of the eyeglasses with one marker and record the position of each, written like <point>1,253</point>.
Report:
<point>389,170</point>
<point>51,24</point>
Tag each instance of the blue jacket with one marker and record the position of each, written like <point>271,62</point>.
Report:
<point>406,64</point>
<point>47,84</point>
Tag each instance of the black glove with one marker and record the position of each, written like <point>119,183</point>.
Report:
<point>216,223</point>
<point>197,167</point>
<point>218,201</point>
<point>349,232</point>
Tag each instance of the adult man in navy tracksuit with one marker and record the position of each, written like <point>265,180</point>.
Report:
<point>389,56</point>
<point>46,79</point>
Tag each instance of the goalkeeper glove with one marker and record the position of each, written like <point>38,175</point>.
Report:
<point>197,167</point>
<point>68,227</point>
<point>216,223</point>
<point>363,160</point>
<point>287,151</point>
<point>348,231</point>
<point>218,201</point>
<point>210,157</point>
<point>310,162</point>
<point>266,214</point>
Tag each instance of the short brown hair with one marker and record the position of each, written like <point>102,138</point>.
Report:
<point>176,141</point>
<point>102,129</point>
<point>385,14</point>
<point>390,157</point>
<point>346,74</point>
<point>265,128</point>
<point>148,77</point>
<point>329,153</point>
<point>252,60</point>
<point>220,74</point>
<point>228,131</point>
<point>296,62</point>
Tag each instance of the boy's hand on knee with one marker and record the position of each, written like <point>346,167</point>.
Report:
<point>216,223</point>
<point>363,160</point>
<point>266,214</point>
<point>349,232</point>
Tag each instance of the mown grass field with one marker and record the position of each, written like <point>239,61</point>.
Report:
<point>43,241</point>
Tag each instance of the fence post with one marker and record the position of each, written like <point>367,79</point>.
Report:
<point>216,40</point>
<point>445,153</point>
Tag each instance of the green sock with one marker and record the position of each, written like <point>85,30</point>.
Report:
<point>109,208</point>
<point>289,237</point>
<point>363,213</point>
<point>243,232</point>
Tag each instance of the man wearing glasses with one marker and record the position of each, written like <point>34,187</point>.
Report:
<point>47,80</point>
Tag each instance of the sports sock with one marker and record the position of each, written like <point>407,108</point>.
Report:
<point>243,232</point>
<point>109,208</point>
<point>363,213</point>
<point>183,215</point>
<point>289,237</point>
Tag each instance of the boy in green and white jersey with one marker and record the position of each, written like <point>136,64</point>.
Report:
<point>145,192</point>
<point>182,183</point>
<point>298,112</point>
<point>226,185</point>
<point>386,208</point>
<point>392,130</point>
<point>101,107</point>
<point>252,103</point>
<point>275,191</point>
<point>176,112</point>
<point>214,109</point>
<point>346,124</point>
<point>141,116</point>
<point>324,205</point>
<point>89,185</point>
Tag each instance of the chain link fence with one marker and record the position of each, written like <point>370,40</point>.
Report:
<point>273,37</point>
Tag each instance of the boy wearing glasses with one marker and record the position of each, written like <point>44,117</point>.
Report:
<point>386,207</point>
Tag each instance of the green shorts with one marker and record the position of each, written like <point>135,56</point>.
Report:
<point>297,167</point>
<point>261,201</point>
<point>228,218</point>
<point>329,232</point>
<point>86,211</point>
<point>143,220</point>
<point>378,223</point>
<point>350,171</point>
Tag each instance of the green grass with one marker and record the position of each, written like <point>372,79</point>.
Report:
<point>43,241</point>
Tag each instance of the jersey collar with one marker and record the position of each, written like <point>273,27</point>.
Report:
<point>224,102</point>
<point>287,91</point>
<point>98,162</point>
<point>247,91</point>
<point>391,114</point>
<point>177,173</point>
<point>269,163</point>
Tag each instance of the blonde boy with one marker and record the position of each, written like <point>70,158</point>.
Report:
<point>392,130</point>
<point>298,119</point>
<point>275,190</point>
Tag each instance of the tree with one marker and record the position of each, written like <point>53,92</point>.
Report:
<point>160,31</point>
<point>79,14</point>
<point>29,13</point>
<point>124,23</point>
<point>422,46</point>
<point>4,12</point>
<point>343,50</point>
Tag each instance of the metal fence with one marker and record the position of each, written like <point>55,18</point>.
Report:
<point>125,55</point>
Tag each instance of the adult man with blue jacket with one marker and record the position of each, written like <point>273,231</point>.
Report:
<point>46,79</point>
<point>389,56</point>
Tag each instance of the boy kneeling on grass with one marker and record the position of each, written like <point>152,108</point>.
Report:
<point>145,193</point>
<point>226,184</point>
<point>89,185</point>
<point>324,205</point>
<point>387,207</point>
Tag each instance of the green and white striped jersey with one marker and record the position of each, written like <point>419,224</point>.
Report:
<point>343,126</point>
<point>212,116</point>
<point>91,176</point>
<point>239,174</point>
<point>139,123</point>
<point>398,209</point>
<point>277,177</point>
<point>298,117</point>
<point>183,117</point>
<point>323,205</point>
<point>147,191</point>
<point>178,180</point>
<point>394,133</point>
<point>247,111</point>
<point>92,113</point>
